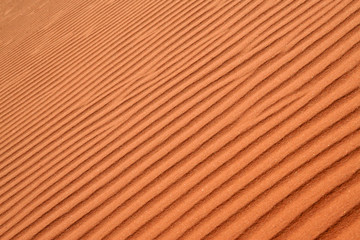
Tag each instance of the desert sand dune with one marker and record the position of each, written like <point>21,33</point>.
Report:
<point>159,119</point>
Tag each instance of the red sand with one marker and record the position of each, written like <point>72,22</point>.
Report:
<point>161,119</point>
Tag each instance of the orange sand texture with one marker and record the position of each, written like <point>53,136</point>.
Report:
<point>180,119</point>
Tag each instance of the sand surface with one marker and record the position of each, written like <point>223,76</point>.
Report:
<point>180,119</point>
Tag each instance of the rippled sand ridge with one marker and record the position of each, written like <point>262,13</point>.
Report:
<point>180,119</point>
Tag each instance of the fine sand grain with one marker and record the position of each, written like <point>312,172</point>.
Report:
<point>180,119</point>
